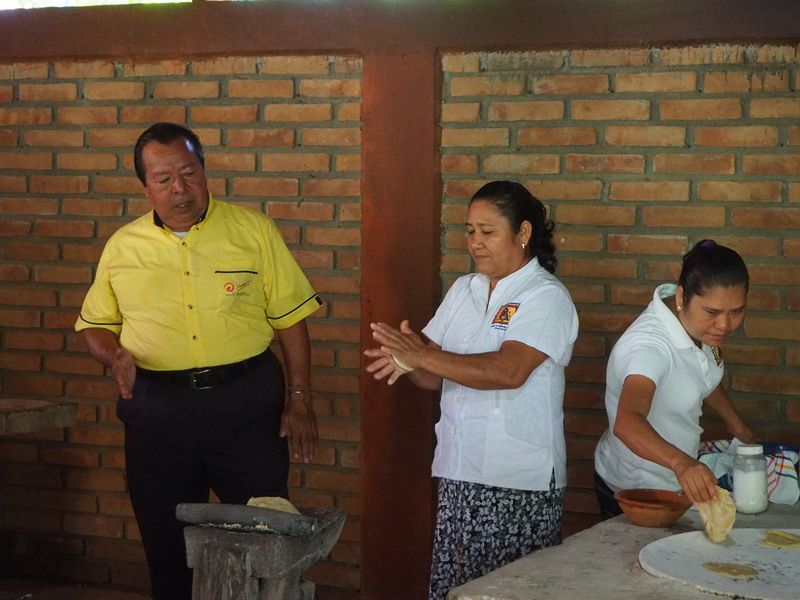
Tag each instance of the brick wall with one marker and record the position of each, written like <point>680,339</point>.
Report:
<point>282,135</point>
<point>639,153</point>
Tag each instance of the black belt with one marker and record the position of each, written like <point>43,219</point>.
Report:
<point>206,377</point>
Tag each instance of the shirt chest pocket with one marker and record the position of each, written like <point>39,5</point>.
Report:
<point>237,285</point>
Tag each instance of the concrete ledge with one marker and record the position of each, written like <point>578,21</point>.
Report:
<point>23,415</point>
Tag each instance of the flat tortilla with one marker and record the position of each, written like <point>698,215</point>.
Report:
<point>731,569</point>
<point>718,515</point>
<point>775,538</point>
<point>274,503</point>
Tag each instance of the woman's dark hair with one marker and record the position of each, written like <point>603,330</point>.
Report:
<point>709,265</point>
<point>165,133</point>
<point>517,205</point>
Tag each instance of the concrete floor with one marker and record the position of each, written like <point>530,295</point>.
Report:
<point>19,589</point>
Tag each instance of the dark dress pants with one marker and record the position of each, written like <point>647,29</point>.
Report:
<point>181,442</point>
<point>609,507</point>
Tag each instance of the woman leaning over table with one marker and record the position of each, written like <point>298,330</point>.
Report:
<point>662,370</point>
<point>497,349</point>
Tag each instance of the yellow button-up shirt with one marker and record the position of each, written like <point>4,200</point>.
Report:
<point>213,297</point>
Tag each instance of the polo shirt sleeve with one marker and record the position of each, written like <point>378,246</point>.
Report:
<point>546,320</point>
<point>641,354</point>
<point>100,307</point>
<point>436,327</point>
<point>290,297</point>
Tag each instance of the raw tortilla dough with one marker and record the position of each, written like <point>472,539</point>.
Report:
<point>718,515</point>
<point>274,503</point>
<point>731,569</point>
<point>774,538</point>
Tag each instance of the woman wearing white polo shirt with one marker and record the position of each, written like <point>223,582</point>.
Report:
<point>497,349</point>
<point>662,370</point>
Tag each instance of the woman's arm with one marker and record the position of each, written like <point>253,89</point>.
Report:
<point>507,368</point>
<point>718,400</point>
<point>632,427</point>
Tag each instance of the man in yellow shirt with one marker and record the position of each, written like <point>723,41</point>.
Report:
<point>184,305</point>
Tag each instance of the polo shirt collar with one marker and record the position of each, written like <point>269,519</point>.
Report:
<point>480,283</point>
<point>680,338</point>
<point>159,223</point>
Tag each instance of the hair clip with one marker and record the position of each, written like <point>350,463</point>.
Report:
<point>706,244</point>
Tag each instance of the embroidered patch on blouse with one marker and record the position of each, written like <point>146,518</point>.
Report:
<point>717,352</point>
<point>503,315</point>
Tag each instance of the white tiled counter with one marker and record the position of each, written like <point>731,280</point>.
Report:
<point>601,563</point>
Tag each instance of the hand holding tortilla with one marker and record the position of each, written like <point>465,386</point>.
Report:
<point>718,515</point>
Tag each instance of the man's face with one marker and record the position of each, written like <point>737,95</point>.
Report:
<point>175,183</point>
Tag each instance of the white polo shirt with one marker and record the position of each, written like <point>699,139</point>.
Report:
<point>657,346</point>
<point>505,438</point>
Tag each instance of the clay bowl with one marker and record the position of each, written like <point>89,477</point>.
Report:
<point>652,508</point>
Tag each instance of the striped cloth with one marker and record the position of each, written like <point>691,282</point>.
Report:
<point>782,463</point>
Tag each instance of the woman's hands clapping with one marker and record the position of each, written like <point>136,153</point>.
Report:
<point>401,350</point>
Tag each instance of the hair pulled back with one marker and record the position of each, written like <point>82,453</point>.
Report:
<point>708,265</point>
<point>165,133</point>
<point>517,205</point>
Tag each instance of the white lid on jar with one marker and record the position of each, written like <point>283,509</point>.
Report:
<point>750,449</point>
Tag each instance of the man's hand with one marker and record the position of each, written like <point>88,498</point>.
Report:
<point>124,371</point>
<point>299,425</point>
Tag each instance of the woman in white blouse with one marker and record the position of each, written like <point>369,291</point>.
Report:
<point>497,348</point>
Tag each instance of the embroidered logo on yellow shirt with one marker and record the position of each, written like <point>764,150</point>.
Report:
<point>232,289</point>
<point>503,315</point>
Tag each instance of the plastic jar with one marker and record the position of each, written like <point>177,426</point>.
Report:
<point>750,479</point>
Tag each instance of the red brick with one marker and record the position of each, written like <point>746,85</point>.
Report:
<point>60,319</point>
<point>460,111</point>
<point>459,163</point>
<point>572,241</point>
<point>333,236</point>
<point>350,163</point>
<point>752,355</point>
<point>12,184</point>
<point>718,164</point>
<point>18,361</point>
<point>282,138</point>
<point>771,382</point>
<point>116,184</point>
<point>113,138</point>
<point>702,55</point>
<point>265,186</point>
<point>14,273</point>
<point>51,387</point>
<point>92,525</point>
<point>771,164</point>
<point>314,259</point>
<point>585,423</point>
<point>774,108</point>
<point>118,90</point>
<point>649,190</point>
<point>748,136</point>
<point>571,84</point>
<point>8,137</point>
<point>320,186</point>
<point>335,284</point>
<point>25,116</point>
<point>260,88</point>
<point>36,340</point>
<point>26,160</point>
<point>584,189</point>
<point>14,452</point>
<point>230,161</point>
<point>6,93</point>
<point>348,111</point>
<point>487,85</point>
<point>610,109</point>
<point>700,110</point>
<point>87,115</point>
<point>557,136</point>
<point>172,90</point>
<point>542,110</point>
<point>617,57</point>
<point>96,480</point>
<point>350,211</point>
<point>47,92</point>
<point>55,228</point>
<point>86,161</point>
<point>297,161</point>
<point>59,184</point>
<point>298,112</point>
<point>116,506</point>
<point>770,218</point>
<point>655,82</point>
<point>224,66</point>
<point>521,163</point>
<point>84,69</point>
<point>339,136</point>
<point>605,163</point>
<point>239,113</point>
<point>28,205</point>
<point>82,252</point>
<point>30,251</point>
<point>74,457</point>
<point>603,216</point>
<point>756,191</point>
<point>330,88</point>
<point>152,114</point>
<point>646,244</point>
<point>96,436</point>
<point>726,82</point>
<point>685,216</point>
<point>304,211</point>
<point>749,246</point>
<point>81,365</point>
<point>157,68</point>
<point>496,136</point>
<point>85,206</point>
<point>23,70</point>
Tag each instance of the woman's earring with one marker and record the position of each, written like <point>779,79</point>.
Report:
<point>523,245</point>
<point>678,307</point>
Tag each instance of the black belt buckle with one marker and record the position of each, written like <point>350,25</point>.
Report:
<point>195,378</point>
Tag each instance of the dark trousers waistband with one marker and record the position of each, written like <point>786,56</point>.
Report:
<point>206,377</point>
